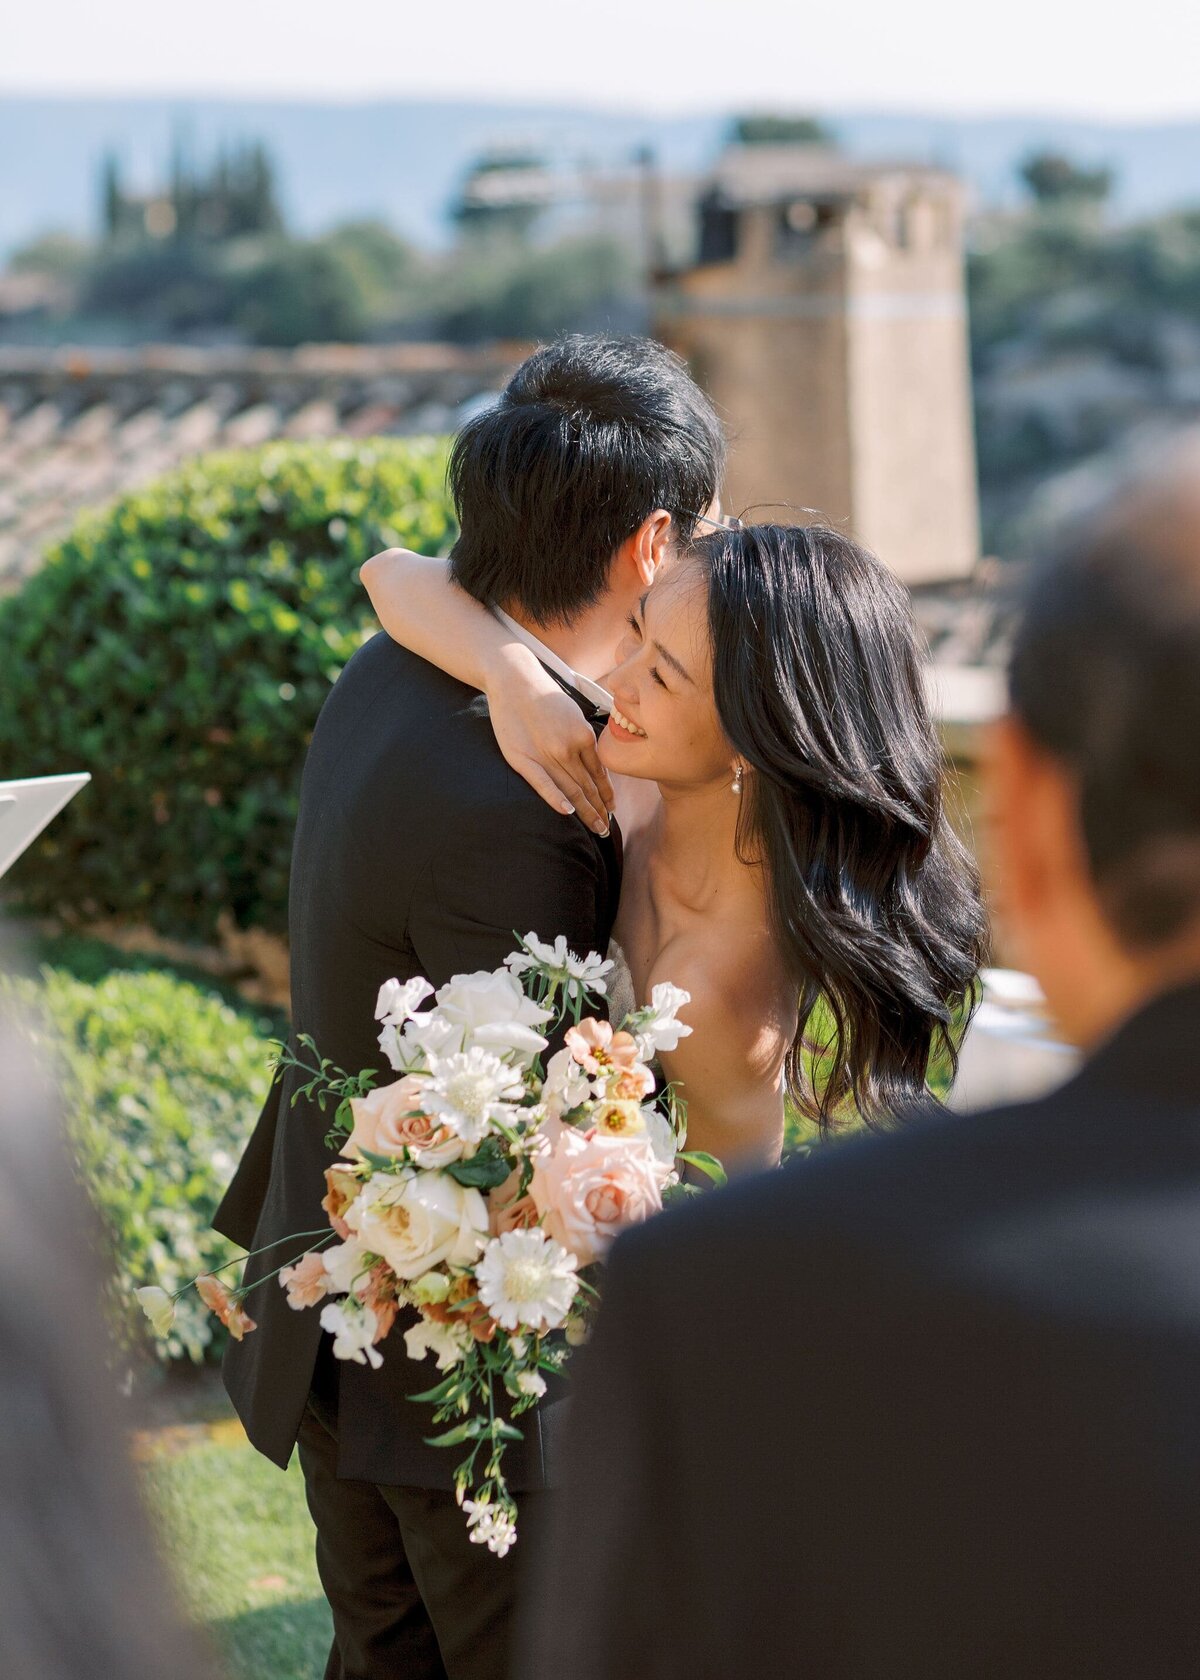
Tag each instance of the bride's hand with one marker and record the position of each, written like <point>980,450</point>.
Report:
<point>545,737</point>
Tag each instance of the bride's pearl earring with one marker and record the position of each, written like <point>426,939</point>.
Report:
<point>737,780</point>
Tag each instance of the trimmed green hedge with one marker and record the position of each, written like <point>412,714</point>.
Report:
<point>179,646</point>
<point>161,1084</point>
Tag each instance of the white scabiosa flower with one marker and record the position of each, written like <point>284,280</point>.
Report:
<point>353,1327</point>
<point>471,1092</point>
<point>526,1280</point>
<point>576,975</point>
<point>531,1382</point>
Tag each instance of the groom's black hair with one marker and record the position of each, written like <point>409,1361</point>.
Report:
<point>590,436</point>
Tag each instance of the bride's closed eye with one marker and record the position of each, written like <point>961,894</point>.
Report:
<point>634,625</point>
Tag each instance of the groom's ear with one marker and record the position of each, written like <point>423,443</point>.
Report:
<point>651,546</point>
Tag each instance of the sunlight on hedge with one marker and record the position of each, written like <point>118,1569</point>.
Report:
<point>161,1083</point>
<point>179,646</point>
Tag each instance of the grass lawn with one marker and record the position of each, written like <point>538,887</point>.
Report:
<point>238,1535</point>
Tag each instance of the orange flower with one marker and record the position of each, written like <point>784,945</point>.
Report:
<point>227,1306</point>
<point>378,1292</point>
<point>463,1306</point>
<point>600,1050</point>
<point>342,1188</point>
<point>306,1282</point>
<point>632,1084</point>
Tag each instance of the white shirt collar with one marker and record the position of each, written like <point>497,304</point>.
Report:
<point>599,697</point>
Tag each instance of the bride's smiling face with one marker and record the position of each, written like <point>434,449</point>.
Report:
<point>665,727</point>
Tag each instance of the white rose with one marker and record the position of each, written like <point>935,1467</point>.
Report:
<point>418,1220</point>
<point>491,1010</point>
<point>425,1038</point>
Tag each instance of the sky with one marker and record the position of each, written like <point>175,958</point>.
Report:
<point>1021,56</point>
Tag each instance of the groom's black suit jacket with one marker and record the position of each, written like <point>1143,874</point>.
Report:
<point>926,1407</point>
<point>417,851</point>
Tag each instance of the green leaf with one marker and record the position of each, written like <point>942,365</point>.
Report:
<point>379,1163</point>
<point>707,1164</point>
<point>470,1430</point>
<point>484,1171</point>
<point>435,1396</point>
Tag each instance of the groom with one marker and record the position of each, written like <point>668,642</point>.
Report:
<point>418,852</point>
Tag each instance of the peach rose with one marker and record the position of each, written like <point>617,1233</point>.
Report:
<point>228,1307</point>
<point>388,1121</point>
<point>588,1186</point>
<point>306,1282</point>
<point>341,1188</point>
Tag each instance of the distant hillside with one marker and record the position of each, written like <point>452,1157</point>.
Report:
<point>402,160</point>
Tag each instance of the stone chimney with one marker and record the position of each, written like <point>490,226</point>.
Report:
<point>825,313</point>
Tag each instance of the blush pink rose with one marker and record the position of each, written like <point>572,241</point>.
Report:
<point>587,1187</point>
<point>388,1121</point>
<point>306,1282</point>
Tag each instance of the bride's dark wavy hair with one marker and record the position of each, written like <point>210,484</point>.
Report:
<point>874,900</point>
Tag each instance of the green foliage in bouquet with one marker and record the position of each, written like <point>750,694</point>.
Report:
<point>161,1083</point>
<point>179,647</point>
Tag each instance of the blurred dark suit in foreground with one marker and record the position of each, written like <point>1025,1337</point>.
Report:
<point>928,1406</point>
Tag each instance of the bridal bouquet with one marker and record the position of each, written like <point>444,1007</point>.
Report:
<point>484,1188</point>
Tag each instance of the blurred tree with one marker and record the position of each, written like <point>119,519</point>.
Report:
<point>773,130</point>
<point>57,252</point>
<point>1052,178</point>
<point>111,197</point>
<point>385,267</point>
<point>583,284</point>
<point>302,294</point>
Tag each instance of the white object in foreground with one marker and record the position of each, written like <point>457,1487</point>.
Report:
<point>27,806</point>
<point>1010,1052</point>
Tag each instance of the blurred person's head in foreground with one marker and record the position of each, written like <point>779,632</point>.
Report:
<point>1095,772</point>
<point>82,1594</point>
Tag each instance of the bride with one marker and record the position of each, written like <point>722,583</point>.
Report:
<point>777,780</point>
